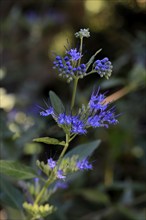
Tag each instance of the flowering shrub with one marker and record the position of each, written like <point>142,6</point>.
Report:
<point>97,113</point>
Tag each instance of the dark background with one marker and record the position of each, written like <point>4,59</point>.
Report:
<point>31,33</point>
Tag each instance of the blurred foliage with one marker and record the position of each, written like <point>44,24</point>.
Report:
<point>31,33</point>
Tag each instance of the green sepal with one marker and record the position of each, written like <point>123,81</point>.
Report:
<point>92,59</point>
<point>44,167</point>
<point>48,140</point>
<point>56,103</point>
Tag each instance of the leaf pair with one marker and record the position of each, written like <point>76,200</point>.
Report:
<point>20,171</point>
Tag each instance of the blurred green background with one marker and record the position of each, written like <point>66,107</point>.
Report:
<point>32,32</point>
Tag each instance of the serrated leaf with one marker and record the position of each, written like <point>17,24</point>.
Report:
<point>84,150</point>
<point>56,103</point>
<point>16,170</point>
<point>10,195</point>
<point>48,140</point>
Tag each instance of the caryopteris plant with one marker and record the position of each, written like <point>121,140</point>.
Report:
<point>97,113</point>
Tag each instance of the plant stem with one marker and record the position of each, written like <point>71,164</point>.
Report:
<point>93,71</point>
<point>65,147</point>
<point>72,137</point>
<point>76,77</point>
<point>74,92</point>
<point>81,45</point>
<point>48,182</point>
<point>80,50</point>
<point>51,179</point>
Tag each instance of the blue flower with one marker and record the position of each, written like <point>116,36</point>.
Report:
<point>100,114</point>
<point>84,165</point>
<point>94,121</point>
<point>47,112</point>
<point>64,119</point>
<point>109,117</point>
<point>60,174</point>
<point>51,163</point>
<point>103,67</point>
<point>96,114</point>
<point>97,101</point>
<point>75,125</point>
<point>65,65</point>
<point>74,54</point>
<point>78,126</point>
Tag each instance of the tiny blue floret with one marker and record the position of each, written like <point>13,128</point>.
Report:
<point>64,119</point>
<point>97,101</point>
<point>51,163</point>
<point>60,174</point>
<point>78,126</point>
<point>75,55</point>
<point>84,165</point>
<point>47,112</point>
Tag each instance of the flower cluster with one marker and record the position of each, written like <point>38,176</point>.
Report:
<point>62,169</point>
<point>69,68</point>
<point>102,116</point>
<point>74,54</point>
<point>83,33</point>
<point>96,114</point>
<point>75,125</point>
<point>38,211</point>
<point>103,67</point>
<point>66,66</point>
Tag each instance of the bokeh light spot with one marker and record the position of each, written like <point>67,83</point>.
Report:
<point>7,101</point>
<point>94,6</point>
<point>137,151</point>
<point>60,42</point>
<point>32,148</point>
<point>2,73</point>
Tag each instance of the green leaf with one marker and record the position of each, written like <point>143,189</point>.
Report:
<point>84,150</point>
<point>16,170</point>
<point>48,140</point>
<point>10,195</point>
<point>112,83</point>
<point>127,213</point>
<point>92,58</point>
<point>56,103</point>
<point>94,195</point>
